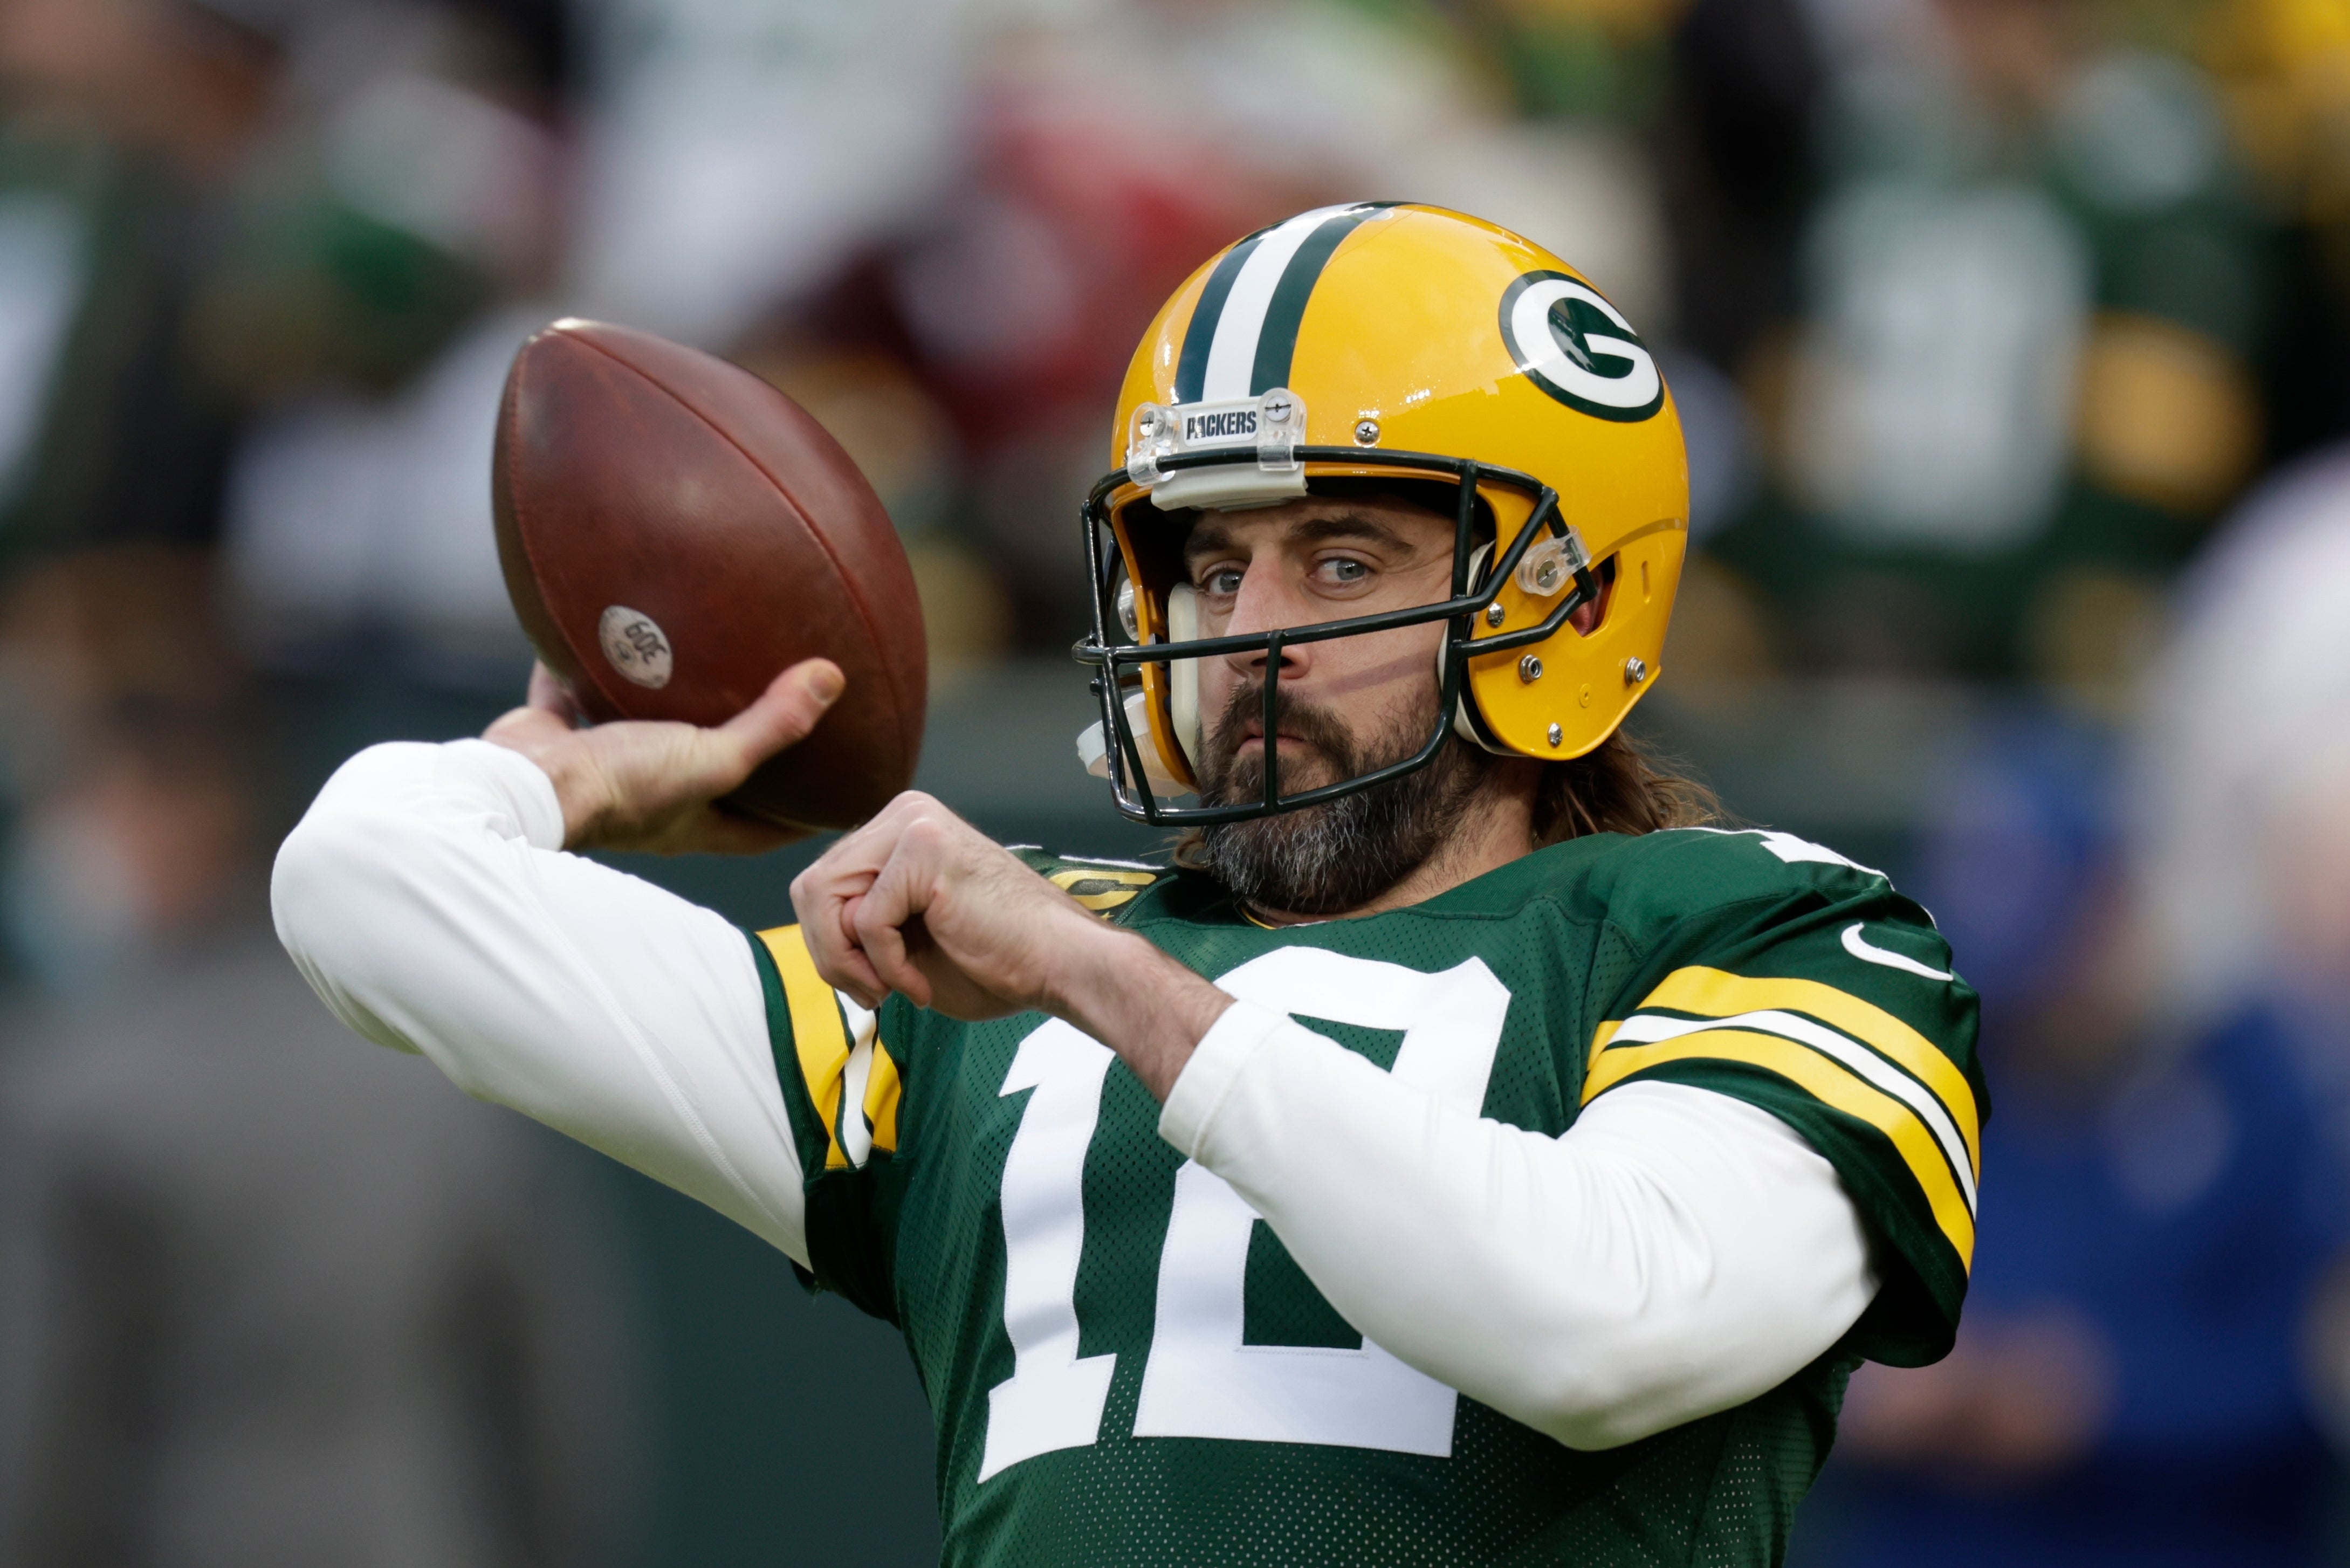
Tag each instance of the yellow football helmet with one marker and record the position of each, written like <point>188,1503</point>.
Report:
<point>1387,340</point>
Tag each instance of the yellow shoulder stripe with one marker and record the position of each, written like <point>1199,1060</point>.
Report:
<point>819,1036</point>
<point>1101,887</point>
<point>881,1092</point>
<point>1826,1081</point>
<point>1715,993</point>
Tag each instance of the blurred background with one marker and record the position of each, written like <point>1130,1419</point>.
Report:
<point>2012,340</point>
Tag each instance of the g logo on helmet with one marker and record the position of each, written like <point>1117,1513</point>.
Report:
<point>1579,349</point>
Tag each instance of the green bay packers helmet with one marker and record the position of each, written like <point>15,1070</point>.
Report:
<point>1387,342</point>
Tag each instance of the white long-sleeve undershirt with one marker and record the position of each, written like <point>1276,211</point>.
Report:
<point>1674,1254</point>
<point>425,897</point>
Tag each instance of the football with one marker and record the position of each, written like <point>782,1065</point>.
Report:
<point>675,532</point>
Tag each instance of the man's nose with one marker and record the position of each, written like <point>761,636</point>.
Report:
<point>1268,600</point>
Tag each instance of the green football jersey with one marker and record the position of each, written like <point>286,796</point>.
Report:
<point>1121,1380</point>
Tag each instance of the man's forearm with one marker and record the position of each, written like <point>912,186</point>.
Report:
<point>1139,1002</point>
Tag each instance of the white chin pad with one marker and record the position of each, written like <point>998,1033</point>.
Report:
<point>1092,750</point>
<point>1183,700</point>
<point>1183,674</point>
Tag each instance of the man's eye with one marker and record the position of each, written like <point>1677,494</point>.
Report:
<point>1224,582</point>
<point>1343,570</point>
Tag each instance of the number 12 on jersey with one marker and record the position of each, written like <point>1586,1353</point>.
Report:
<point>1201,1380</point>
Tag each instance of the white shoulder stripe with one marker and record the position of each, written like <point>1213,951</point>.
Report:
<point>1649,1027</point>
<point>1861,947</point>
<point>856,1137</point>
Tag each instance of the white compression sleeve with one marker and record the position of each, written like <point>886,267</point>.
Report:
<point>426,898</point>
<point>1675,1254</point>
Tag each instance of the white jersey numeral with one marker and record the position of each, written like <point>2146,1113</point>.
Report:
<point>1201,1380</point>
<point>1054,1397</point>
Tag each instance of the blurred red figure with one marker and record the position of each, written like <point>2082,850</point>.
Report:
<point>1074,224</point>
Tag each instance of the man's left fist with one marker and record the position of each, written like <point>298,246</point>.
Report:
<point>920,901</point>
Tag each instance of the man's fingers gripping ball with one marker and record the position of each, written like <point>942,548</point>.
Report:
<point>549,695</point>
<point>650,783</point>
<point>781,716</point>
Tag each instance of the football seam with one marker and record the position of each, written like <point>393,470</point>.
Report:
<point>510,414</point>
<point>847,587</point>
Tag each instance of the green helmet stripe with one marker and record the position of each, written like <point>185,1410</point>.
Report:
<point>1192,367</point>
<point>1276,340</point>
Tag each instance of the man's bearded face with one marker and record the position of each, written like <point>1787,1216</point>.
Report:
<point>1326,860</point>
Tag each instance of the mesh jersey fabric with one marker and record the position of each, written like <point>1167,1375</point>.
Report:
<point>1751,964</point>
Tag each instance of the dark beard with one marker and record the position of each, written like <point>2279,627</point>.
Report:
<point>1326,860</point>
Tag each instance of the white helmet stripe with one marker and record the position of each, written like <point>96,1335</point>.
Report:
<point>1231,356</point>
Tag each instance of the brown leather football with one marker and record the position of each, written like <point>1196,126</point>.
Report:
<point>675,532</point>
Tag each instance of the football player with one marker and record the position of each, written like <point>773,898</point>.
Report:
<point>1461,1155</point>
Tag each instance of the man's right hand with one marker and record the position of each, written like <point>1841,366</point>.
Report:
<point>649,785</point>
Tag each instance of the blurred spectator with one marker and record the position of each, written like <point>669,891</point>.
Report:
<point>2132,1381</point>
<point>419,159</point>
<point>2284,69</point>
<point>213,204</point>
<point>1737,150</point>
<point>132,117</point>
<point>358,528</point>
<point>2036,300</point>
<point>266,1297</point>
<point>2245,775</point>
<point>215,211</point>
<point>738,154</point>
